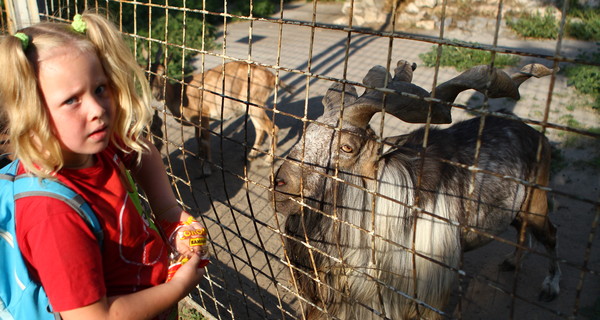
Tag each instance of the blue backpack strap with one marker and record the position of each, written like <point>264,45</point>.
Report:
<point>26,185</point>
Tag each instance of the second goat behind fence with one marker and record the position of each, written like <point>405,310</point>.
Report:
<point>376,227</point>
<point>221,93</point>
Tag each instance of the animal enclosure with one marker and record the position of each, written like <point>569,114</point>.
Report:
<point>267,264</point>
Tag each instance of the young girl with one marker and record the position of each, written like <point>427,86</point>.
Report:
<point>75,114</point>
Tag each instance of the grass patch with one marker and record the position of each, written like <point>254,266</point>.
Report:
<point>465,58</point>
<point>535,25</point>
<point>570,121</point>
<point>582,24</point>
<point>586,78</point>
<point>558,162</point>
<point>188,313</point>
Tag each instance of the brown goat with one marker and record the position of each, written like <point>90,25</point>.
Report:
<point>221,93</point>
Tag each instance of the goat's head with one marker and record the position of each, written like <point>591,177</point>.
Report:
<point>157,81</point>
<point>341,140</point>
<point>156,73</point>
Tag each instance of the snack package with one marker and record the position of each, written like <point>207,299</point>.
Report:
<point>190,233</point>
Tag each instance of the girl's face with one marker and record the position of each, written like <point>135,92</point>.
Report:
<point>80,103</point>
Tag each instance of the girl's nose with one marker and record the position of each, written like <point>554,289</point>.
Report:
<point>96,108</point>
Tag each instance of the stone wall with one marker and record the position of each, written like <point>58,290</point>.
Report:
<point>427,14</point>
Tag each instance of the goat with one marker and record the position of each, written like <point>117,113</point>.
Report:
<point>375,227</point>
<point>220,93</point>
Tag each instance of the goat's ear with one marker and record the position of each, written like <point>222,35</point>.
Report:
<point>337,92</point>
<point>145,54</point>
<point>391,144</point>
<point>158,56</point>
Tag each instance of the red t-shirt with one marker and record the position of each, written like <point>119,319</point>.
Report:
<point>61,250</point>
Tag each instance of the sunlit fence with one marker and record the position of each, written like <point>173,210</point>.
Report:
<point>350,240</point>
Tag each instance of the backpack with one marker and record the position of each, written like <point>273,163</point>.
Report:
<point>20,296</point>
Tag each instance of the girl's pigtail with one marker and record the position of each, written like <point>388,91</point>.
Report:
<point>22,106</point>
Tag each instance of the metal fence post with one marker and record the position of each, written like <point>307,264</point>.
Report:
<point>21,14</point>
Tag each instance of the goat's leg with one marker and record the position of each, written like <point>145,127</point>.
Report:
<point>517,256</point>
<point>203,139</point>
<point>534,218</point>
<point>263,127</point>
<point>551,284</point>
<point>543,229</point>
<point>545,232</point>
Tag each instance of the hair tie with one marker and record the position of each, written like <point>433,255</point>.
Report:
<point>78,24</point>
<point>24,39</point>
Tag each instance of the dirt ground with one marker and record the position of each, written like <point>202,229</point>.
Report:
<point>248,277</point>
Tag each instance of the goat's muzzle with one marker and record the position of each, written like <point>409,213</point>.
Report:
<point>286,191</point>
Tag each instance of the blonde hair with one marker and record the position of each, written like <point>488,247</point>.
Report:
<point>30,130</point>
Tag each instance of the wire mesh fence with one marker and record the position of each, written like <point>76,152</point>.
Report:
<point>351,239</point>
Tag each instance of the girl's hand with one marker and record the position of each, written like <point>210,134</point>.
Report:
<point>190,239</point>
<point>190,273</point>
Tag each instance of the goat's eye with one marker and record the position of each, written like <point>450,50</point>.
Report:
<point>346,148</point>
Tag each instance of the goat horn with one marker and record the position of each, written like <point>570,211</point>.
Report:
<point>498,83</point>
<point>358,110</point>
<point>409,106</point>
<point>531,70</point>
<point>376,77</point>
<point>333,97</point>
<point>369,103</point>
<point>404,71</point>
<point>480,78</point>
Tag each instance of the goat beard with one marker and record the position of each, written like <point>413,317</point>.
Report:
<point>357,266</point>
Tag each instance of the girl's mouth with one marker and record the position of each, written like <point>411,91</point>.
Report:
<point>99,134</point>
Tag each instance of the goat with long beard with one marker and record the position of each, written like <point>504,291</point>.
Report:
<point>377,226</point>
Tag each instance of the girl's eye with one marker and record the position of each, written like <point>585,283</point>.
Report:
<point>70,101</point>
<point>101,90</point>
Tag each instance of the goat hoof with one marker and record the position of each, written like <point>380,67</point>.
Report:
<point>547,295</point>
<point>205,171</point>
<point>254,155</point>
<point>550,289</point>
<point>203,175</point>
<point>507,265</point>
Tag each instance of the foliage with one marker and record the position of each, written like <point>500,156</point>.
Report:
<point>586,78</point>
<point>582,24</point>
<point>535,25</point>
<point>147,23</point>
<point>173,34</point>
<point>464,58</point>
<point>261,8</point>
<point>167,27</point>
<point>189,313</point>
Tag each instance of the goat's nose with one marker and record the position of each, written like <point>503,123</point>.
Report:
<point>279,182</point>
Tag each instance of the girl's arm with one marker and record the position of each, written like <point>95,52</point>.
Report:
<point>151,176</point>
<point>145,304</point>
